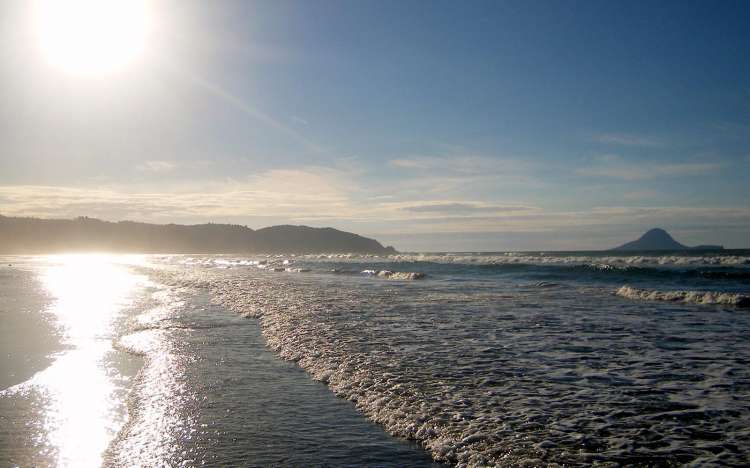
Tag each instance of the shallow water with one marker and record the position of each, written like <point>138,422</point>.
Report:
<point>72,404</point>
<point>486,362</point>
<point>212,393</point>
<point>28,335</point>
<point>478,360</point>
<point>137,374</point>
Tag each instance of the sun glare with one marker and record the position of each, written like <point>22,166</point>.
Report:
<point>92,37</point>
<point>82,410</point>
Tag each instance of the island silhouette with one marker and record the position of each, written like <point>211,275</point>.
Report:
<point>659,239</point>
<point>34,236</point>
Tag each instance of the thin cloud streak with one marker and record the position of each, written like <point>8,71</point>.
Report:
<point>465,164</point>
<point>241,105</point>
<point>627,140</point>
<point>462,208</point>
<point>157,166</point>
<point>616,168</point>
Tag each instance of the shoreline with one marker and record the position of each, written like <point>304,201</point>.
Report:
<point>74,405</point>
<point>26,314</point>
<point>286,400</point>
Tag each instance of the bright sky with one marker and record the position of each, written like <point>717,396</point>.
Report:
<point>427,125</point>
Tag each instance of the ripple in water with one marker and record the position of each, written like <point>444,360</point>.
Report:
<point>494,373</point>
<point>210,393</point>
<point>67,413</point>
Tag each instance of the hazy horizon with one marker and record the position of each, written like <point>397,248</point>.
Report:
<point>430,127</point>
<point>475,243</point>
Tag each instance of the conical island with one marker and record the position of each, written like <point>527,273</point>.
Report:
<point>659,239</point>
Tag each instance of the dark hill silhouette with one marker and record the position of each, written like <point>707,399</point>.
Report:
<point>288,238</point>
<point>659,239</point>
<point>33,235</point>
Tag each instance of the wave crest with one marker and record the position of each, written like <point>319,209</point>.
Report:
<point>400,275</point>
<point>691,297</point>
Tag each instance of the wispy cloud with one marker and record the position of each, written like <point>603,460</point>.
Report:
<point>625,139</point>
<point>299,120</point>
<point>607,158</point>
<point>731,128</point>
<point>615,167</point>
<point>243,106</point>
<point>324,197</point>
<point>157,166</point>
<point>462,176</point>
<point>464,164</point>
<point>609,218</point>
<point>462,208</point>
<point>429,195</point>
<point>640,195</point>
<point>282,193</point>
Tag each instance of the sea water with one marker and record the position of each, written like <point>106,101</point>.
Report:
<point>470,359</point>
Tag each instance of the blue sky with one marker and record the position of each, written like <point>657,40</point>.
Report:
<point>428,125</point>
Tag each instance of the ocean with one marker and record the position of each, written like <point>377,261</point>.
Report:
<point>467,359</point>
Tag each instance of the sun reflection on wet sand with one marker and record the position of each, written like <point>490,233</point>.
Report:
<point>82,391</point>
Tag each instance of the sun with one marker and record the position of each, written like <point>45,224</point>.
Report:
<point>92,37</point>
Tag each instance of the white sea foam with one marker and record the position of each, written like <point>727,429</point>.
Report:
<point>511,258</point>
<point>692,297</point>
<point>494,381</point>
<point>447,433</point>
<point>598,261</point>
<point>297,270</point>
<point>406,275</point>
<point>395,275</point>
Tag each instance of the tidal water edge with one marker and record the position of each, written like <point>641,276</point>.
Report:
<point>471,359</point>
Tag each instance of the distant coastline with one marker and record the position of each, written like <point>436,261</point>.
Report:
<point>43,236</point>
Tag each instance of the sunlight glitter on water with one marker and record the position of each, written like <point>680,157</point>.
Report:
<point>83,403</point>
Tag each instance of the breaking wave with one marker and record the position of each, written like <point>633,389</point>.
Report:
<point>602,260</point>
<point>691,297</point>
<point>395,275</point>
<point>510,258</point>
<point>481,377</point>
<point>695,270</point>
